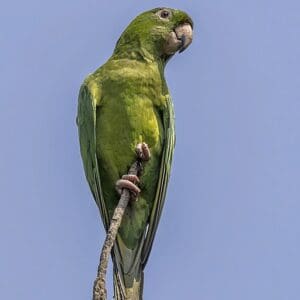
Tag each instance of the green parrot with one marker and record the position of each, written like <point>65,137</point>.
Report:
<point>124,103</point>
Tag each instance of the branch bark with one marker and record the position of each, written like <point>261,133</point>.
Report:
<point>99,288</point>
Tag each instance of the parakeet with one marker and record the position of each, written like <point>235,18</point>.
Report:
<point>123,103</point>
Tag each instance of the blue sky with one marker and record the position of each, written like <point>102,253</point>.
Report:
<point>230,228</point>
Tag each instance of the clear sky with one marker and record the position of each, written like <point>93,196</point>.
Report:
<point>230,228</point>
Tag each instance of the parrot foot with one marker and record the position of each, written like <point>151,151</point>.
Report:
<point>128,182</point>
<point>143,152</point>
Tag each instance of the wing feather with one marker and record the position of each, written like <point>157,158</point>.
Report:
<point>166,161</point>
<point>86,121</point>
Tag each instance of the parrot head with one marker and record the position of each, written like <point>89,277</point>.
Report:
<point>157,33</point>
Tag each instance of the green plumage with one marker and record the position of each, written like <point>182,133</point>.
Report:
<point>123,103</point>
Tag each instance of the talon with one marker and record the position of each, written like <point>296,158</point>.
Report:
<point>143,151</point>
<point>127,184</point>
<point>139,150</point>
<point>133,178</point>
<point>146,152</point>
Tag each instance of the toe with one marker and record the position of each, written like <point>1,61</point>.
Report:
<point>146,152</point>
<point>143,152</point>
<point>133,178</point>
<point>126,184</point>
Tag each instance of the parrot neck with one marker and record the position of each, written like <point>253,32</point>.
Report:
<point>139,54</point>
<point>138,49</point>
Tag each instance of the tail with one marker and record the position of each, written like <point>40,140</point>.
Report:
<point>129,286</point>
<point>128,270</point>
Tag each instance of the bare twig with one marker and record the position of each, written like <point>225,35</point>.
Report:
<point>99,290</point>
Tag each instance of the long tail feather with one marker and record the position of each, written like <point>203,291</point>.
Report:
<point>132,288</point>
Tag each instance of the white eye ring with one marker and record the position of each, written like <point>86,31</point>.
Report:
<point>164,14</point>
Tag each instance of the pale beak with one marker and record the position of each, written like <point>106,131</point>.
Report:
<point>178,39</point>
<point>184,33</point>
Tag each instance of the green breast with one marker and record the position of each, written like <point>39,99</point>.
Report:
<point>129,112</point>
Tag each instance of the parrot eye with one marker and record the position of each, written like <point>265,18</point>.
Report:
<point>164,14</point>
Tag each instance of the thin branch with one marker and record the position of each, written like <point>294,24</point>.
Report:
<point>99,289</point>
